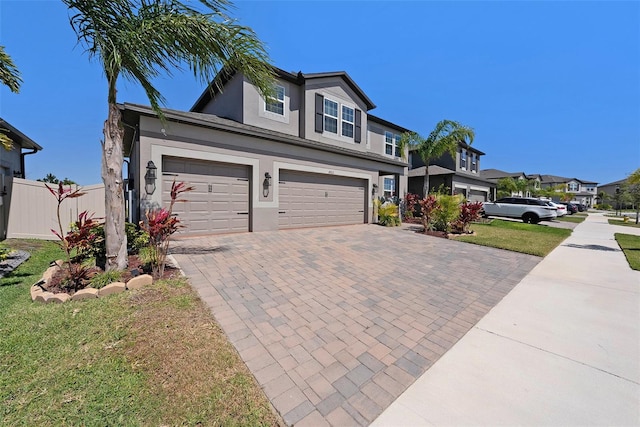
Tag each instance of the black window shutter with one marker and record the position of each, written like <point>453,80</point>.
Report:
<point>319,112</point>
<point>357,137</point>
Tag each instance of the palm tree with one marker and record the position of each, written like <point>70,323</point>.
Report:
<point>9,73</point>
<point>10,77</point>
<point>444,138</point>
<point>139,40</point>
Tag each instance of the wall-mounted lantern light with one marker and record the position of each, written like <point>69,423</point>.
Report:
<point>150,178</point>
<point>374,189</point>
<point>266,184</point>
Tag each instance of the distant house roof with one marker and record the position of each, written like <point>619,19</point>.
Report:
<point>384,122</point>
<point>298,78</point>
<point>561,180</point>
<point>131,111</point>
<point>618,182</point>
<point>497,174</point>
<point>18,137</point>
<point>435,170</point>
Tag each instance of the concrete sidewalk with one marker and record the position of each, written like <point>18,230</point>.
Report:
<point>562,348</point>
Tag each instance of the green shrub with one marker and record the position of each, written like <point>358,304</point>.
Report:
<point>4,252</point>
<point>448,212</point>
<point>101,280</point>
<point>388,215</point>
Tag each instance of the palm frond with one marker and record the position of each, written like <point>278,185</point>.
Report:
<point>140,39</point>
<point>9,73</point>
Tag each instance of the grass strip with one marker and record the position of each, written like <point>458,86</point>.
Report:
<point>572,218</point>
<point>518,237</point>
<point>153,356</point>
<point>629,223</point>
<point>630,245</point>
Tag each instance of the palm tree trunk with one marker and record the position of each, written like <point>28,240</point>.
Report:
<point>112,158</point>
<point>425,183</point>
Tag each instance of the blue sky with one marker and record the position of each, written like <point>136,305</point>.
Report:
<point>549,87</point>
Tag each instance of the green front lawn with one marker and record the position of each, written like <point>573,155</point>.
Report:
<point>630,223</point>
<point>630,245</point>
<point>572,218</point>
<point>516,236</point>
<point>148,357</point>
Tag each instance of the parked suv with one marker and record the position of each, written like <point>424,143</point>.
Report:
<point>531,211</point>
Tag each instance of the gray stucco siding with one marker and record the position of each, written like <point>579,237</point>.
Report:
<point>337,90</point>
<point>256,115</point>
<point>228,104</point>
<point>261,155</point>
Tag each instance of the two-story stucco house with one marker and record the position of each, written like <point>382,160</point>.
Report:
<point>584,192</point>
<point>310,156</point>
<point>495,175</point>
<point>461,175</point>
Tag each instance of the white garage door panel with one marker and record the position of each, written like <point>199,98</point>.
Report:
<point>308,200</point>
<point>477,196</point>
<point>220,201</point>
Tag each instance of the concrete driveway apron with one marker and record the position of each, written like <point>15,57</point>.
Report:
<point>335,323</point>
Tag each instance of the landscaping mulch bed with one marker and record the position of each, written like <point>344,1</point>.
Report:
<point>55,285</point>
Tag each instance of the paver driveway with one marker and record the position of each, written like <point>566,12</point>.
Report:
<point>335,323</point>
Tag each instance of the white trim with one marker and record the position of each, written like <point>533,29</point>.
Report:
<point>338,135</point>
<point>158,151</point>
<point>460,186</point>
<point>343,120</point>
<point>485,189</point>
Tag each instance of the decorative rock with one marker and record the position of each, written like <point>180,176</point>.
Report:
<point>58,298</point>
<point>113,288</point>
<point>86,293</point>
<point>43,297</point>
<point>140,281</point>
<point>35,291</point>
<point>48,274</point>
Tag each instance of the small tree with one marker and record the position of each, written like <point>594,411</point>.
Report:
<point>633,183</point>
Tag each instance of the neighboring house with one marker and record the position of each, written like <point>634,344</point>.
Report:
<point>310,156</point>
<point>495,175</point>
<point>584,192</point>
<point>610,190</point>
<point>461,175</point>
<point>12,165</point>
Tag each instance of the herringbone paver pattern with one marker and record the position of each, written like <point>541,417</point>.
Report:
<point>335,323</point>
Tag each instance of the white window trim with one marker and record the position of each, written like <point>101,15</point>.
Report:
<point>338,135</point>
<point>463,158</point>
<point>392,182</point>
<point>283,101</point>
<point>474,163</point>
<point>336,117</point>
<point>353,123</point>
<point>283,118</point>
<point>386,132</point>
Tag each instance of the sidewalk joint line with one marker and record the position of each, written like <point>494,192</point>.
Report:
<point>559,355</point>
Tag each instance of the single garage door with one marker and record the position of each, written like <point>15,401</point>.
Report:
<point>220,201</point>
<point>312,200</point>
<point>477,196</point>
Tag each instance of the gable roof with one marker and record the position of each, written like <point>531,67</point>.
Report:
<point>387,123</point>
<point>298,78</point>
<point>18,137</point>
<point>497,174</point>
<point>131,111</point>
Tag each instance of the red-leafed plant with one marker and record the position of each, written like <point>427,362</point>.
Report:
<point>161,224</point>
<point>411,203</point>
<point>469,212</point>
<point>77,241</point>
<point>429,207</point>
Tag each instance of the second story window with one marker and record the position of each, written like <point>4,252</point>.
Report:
<point>463,159</point>
<point>388,143</point>
<point>392,144</point>
<point>347,121</point>
<point>330,116</point>
<point>276,104</point>
<point>573,186</point>
<point>474,162</point>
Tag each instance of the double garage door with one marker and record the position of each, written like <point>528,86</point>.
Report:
<point>220,201</point>
<point>311,200</point>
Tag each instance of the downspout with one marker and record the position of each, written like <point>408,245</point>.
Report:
<point>22,171</point>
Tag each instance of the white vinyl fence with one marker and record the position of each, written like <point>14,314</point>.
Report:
<point>32,209</point>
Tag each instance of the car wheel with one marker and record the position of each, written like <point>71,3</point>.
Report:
<point>530,218</point>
